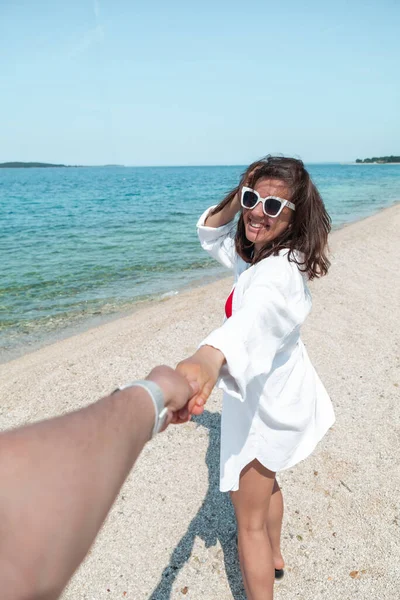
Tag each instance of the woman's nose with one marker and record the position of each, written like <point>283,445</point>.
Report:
<point>258,210</point>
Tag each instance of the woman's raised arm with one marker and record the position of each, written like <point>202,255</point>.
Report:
<point>225,215</point>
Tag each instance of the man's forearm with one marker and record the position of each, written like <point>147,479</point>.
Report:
<point>58,479</point>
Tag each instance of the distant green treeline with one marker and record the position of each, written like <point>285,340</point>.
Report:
<point>26,165</point>
<point>380,159</point>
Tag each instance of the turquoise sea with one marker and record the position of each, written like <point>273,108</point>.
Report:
<point>79,245</point>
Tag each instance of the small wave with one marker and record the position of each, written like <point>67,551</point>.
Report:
<point>169,294</point>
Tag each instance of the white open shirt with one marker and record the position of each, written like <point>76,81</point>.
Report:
<point>275,407</point>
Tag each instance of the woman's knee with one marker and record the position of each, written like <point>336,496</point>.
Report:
<point>251,526</point>
<point>252,518</point>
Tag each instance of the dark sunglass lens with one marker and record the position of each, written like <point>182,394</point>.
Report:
<point>249,199</point>
<point>272,206</point>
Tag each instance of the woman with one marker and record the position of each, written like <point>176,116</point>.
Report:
<point>275,408</point>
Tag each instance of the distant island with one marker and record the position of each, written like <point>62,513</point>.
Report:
<point>26,165</point>
<point>30,165</point>
<point>380,160</point>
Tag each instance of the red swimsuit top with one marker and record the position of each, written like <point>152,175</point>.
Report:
<point>228,305</point>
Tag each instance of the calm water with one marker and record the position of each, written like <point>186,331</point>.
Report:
<point>82,243</point>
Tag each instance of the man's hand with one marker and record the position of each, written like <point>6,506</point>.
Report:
<point>201,370</point>
<point>177,392</point>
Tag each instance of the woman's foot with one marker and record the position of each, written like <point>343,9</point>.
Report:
<point>279,566</point>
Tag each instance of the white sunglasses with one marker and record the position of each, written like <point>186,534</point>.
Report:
<point>272,205</point>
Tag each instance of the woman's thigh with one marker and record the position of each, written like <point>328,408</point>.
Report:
<point>251,500</point>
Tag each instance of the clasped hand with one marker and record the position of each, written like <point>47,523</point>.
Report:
<point>186,389</point>
<point>201,371</point>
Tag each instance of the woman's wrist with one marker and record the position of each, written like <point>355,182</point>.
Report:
<point>212,355</point>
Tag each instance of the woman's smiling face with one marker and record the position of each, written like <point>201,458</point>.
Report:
<point>261,229</point>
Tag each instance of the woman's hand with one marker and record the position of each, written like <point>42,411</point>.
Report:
<point>202,370</point>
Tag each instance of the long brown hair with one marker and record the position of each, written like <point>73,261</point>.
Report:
<point>311,224</point>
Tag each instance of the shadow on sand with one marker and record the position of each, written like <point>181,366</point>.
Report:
<point>215,521</point>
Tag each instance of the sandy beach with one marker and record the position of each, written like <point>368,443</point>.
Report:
<point>171,534</point>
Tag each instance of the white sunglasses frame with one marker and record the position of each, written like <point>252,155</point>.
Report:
<point>262,200</point>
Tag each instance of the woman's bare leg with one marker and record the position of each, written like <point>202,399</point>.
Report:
<point>252,503</point>
<point>274,525</point>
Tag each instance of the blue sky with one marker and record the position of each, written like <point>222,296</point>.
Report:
<point>186,83</point>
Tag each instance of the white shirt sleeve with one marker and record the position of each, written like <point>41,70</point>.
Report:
<point>219,242</point>
<point>273,306</point>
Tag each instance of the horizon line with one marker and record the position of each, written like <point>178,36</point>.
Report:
<point>133,166</point>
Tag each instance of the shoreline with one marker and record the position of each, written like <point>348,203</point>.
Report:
<point>85,324</point>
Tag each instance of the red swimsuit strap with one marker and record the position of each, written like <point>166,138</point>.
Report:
<point>228,305</point>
